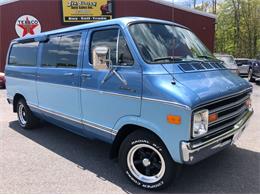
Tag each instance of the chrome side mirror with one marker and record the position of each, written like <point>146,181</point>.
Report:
<point>101,58</point>
<point>102,61</point>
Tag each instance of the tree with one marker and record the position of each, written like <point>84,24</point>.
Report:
<point>214,6</point>
<point>236,7</point>
<point>238,28</point>
<point>194,3</point>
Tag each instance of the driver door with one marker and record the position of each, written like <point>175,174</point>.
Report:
<point>105,101</point>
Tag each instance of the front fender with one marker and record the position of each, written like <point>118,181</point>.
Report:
<point>171,137</point>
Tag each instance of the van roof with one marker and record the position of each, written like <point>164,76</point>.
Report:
<point>123,22</point>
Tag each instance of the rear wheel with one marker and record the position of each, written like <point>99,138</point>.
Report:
<point>26,118</point>
<point>146,161</point>
<point>250,75</point>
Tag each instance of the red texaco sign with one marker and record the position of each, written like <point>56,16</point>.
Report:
<point>27,25</point>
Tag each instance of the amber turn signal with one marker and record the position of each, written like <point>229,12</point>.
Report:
<point>176,120</point>
<point>213,117</point>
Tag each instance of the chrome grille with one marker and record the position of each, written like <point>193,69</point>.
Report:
<point>230,111</point>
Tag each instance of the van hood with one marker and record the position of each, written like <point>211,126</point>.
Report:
<point>211,84</point>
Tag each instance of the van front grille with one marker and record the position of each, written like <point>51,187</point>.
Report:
<point>229,110</point>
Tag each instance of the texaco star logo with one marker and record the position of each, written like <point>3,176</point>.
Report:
<point>27,25</point>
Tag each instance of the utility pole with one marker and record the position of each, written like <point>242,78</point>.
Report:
<point>214,6</point>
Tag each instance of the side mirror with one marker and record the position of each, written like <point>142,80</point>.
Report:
<point>101,58</point>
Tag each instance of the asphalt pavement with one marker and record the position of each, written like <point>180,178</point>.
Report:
<point>52,160</point>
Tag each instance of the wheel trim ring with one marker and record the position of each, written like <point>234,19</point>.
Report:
<point>136,173</point>
<point>21,113</point>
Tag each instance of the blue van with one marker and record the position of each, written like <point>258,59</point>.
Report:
<point>149,87</point>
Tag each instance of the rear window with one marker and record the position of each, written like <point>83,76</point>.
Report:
<point>61,51</point>
<point>23,54</point>
<point>242,62</point>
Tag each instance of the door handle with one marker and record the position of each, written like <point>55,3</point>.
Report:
<point>127,89</point>
<point>68,74</point>
<point>86,75</point>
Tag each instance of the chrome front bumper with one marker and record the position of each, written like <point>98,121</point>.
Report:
<point>257,77</point>
<point>193,152</point>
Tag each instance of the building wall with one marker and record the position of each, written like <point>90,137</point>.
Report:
<point>202,26</point>
<point>49,13</point>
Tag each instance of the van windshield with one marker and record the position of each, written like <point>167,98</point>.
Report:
<point>165,43</point>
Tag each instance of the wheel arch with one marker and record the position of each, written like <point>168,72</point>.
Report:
<point>17,97</point>
<point>124,131</point>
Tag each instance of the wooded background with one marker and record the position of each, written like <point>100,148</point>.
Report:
<point>238,26</point>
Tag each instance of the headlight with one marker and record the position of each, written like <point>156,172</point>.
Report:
<point>200,123</point>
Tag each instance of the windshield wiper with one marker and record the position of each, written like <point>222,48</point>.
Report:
<point>207,57</point>
<point>170,58</point>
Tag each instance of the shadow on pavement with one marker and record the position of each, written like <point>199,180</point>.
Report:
<point>233,170</point>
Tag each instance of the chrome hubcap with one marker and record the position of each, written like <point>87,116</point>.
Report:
<point>22,114</point>
<point>146,163</point>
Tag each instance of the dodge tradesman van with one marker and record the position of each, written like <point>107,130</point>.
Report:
<point>149,87</point>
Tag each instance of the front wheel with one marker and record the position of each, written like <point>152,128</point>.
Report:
<point>26,118</point>
<point>146,161</point>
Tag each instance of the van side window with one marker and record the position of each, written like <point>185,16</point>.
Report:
<point>23,54</point>
<point>61,51</point>
<point>49,52</point>
<point>109,38</point>
<point>68,51</point>
<point>106,38</point>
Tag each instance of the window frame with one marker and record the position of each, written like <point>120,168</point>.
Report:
<point>120,31</point>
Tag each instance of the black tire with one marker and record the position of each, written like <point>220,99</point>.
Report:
<point>250,75</point>
<point>2,86</point>
<point>25,116</point>
<point>147,142</point>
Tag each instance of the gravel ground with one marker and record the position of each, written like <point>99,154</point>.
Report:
<point>52,160</point>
